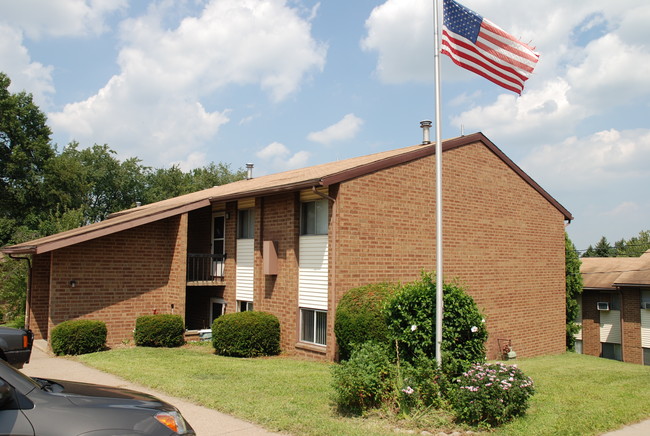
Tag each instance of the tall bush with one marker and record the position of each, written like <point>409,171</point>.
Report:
<point>79,336</point>
<point>359,317</point>
<point>162,330</point>
<point>411,317</point>
<point>246,334</point>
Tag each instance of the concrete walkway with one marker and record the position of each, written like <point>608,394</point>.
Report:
<point>206,422</point>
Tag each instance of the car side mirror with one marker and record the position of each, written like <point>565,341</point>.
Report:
<point>6,393</point>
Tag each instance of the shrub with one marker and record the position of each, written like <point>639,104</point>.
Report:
<point>78,337</point>
<point>491,394</point>
<point>359,317</point>
<point>419,384</point>
<point>162,330</point>
<point>365,380</point>
<point>411,317</point>
<point>246,334</point>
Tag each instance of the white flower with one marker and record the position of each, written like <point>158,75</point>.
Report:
<point>414,328</point>
<point>474,329</point>
<point>483,320</point>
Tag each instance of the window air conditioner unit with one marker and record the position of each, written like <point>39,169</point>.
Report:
<point>645,305</point>
<point>603,305</point>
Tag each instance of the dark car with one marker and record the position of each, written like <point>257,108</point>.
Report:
<point>34,406</point>
<point>16,345</point>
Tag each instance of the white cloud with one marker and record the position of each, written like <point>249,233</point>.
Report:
<point>38,18</point>
<point>25,74</point>
<point>346,128</point>
<point>603,159</point>
<point>623,209</point>
<point>155,104</point>
<point>279,157</point>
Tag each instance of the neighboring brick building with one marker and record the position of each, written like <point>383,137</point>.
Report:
<point>293,243</point>
<point>615,308</point>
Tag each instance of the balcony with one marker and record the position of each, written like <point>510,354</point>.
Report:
<point>205,269</point>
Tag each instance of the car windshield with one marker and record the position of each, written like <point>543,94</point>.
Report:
<point>8,373</point>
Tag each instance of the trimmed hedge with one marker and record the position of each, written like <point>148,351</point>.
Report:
<point>79,336</point>
<point>246,334</point>
<point>162,330</point>
<point>359,317</point>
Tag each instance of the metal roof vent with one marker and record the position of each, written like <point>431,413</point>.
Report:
<point>249,169</point>
<point>426,126</point>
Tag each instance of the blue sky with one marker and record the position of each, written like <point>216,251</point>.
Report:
<point>291,83</point>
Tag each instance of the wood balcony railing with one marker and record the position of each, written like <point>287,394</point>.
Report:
<point>205,268</point>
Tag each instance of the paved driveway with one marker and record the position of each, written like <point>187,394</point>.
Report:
<point>206,422</point>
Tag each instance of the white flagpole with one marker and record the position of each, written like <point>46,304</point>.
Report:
<point>439,283</point>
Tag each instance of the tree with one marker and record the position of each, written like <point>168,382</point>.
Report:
<point>602,249</point>
<point>25,149</point>
<point>573,290</point>
<point>635,246</point>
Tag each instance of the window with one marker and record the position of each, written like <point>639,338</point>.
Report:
<point>646,356</point>
<point>313,326</point>
<point>611,351</point>
<point>313,218</point>
<point>218,227</point>
<point>244,306</point>
<point>578,346</point>
<point>245,223</point>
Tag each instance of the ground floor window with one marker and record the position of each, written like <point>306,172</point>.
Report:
<point>244,306</point>
<point>578,346</point>
<point>611,351</point>
<point>646,356</point>
<point>313,326</point>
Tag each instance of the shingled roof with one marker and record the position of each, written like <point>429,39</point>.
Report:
<point>314,176</point>
<point>614,272</point>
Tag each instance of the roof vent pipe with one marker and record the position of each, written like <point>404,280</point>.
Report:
<point>426,126</point>
<point>249,169</point>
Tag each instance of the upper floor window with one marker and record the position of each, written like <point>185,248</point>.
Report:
<point>246,223</point>
<point>313,218</point>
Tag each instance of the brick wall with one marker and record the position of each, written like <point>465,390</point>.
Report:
<point>502,240</point>
<point>631,325</point>
<point>590,323</point>
<point>121,276</point>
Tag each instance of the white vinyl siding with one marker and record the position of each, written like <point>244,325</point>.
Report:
<point>245,263</point>
<point>610,326</point>
<point>645,328</point>
<point>312,272</point>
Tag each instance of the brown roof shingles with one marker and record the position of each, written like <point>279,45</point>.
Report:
<point>612,272</point>
<point>318,175</point>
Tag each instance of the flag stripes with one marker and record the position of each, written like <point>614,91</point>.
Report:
<point>480,46</point>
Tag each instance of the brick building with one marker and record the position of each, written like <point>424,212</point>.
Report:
<point>615,308</point>
<point>293,243</point>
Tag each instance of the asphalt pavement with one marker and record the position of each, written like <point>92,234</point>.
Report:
<point>206,422</point>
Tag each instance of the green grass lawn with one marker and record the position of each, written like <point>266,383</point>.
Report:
<point>576,394</point>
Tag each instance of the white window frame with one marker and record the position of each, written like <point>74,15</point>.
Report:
<point>247,306</point>
<point>247,231</point>
<point>223,306</point>
<point>313,339</point>
<point>316,221</point>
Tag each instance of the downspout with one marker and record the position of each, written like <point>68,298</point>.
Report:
<point>332,253</point>
<point>28,291</point>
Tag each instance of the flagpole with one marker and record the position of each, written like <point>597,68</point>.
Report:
<point>439,283</point>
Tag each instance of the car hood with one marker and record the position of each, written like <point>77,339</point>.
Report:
<point>89,395</point>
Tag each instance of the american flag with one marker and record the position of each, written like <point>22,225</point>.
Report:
<point>480,46</point>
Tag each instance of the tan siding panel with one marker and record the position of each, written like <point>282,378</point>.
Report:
<point>645,328</point>
<point>313,272</point>
<point>610,326</point>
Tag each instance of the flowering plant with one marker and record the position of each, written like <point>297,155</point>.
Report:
<point>491,394</point>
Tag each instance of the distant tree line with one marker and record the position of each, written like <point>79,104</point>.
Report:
<point>633,247</point>
<point>45,191</point>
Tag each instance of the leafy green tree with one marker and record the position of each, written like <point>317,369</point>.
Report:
<point>25,149</point>
<point>573,291</point>
<point>602,249</point>
<point>635,246</point>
